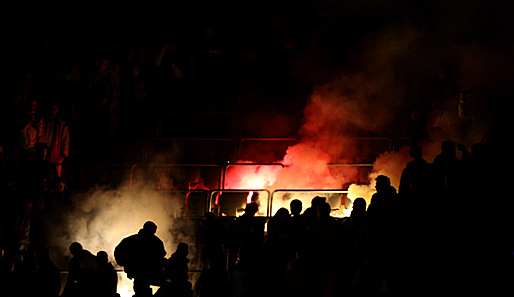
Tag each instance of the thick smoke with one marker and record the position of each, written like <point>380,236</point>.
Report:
<point>364,100</point>
<point>352,105</point>
<point>101,218</point>
<point>390,164</point>
<point>390,69</point>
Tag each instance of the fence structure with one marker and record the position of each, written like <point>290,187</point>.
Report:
<point>207,159</point>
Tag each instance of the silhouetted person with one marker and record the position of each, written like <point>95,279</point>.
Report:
<point>211,237</point>
<point>358,215</point>
<point>381,218</point>
<point>381,201</point>
<point>142,257</point>
<point>107,278</point>
<point>296,207</point>
<point>417,177</point>
<point>176,266</point>
<point>81,272</point>
<point>56,137</point>
<point>278,253</point>
<point>246,236</point>
<point>311,213</point>
<point>176,274</point>
<point>280,224</point>
<point>247,232</point>
<point>355,251</point>
<point>380,213</point>
<point>48,275</point>
<point>321,239</point>
<point>447,167</point>
<point>298,225</point>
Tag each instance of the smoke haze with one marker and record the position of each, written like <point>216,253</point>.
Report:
<point>101,218</point>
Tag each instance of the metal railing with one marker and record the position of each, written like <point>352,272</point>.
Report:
<point>80,174</point>
<point>317,192</point>
<point>198,166</point>
<point>241,195</point>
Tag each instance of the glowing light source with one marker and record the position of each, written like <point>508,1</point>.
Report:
<point>249,197</point>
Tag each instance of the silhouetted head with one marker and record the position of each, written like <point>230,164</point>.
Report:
<point>316,201</point>
<point>76,248</point>
<point>296,207</point>
<point>149,227</point>
<point>182,249</point>
<point>448,148</point>
<point>416,151</point>
<point>251,209</point>
<point>359,205</point>
<point>324,210</point>
<point>102,257</point>
<point>383,183</point>
<point>282,213</point>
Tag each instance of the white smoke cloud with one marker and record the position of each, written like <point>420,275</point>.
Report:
<point>101,218</point>
<point>390,164</point>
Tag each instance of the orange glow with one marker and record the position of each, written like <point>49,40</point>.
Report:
<point>217,201</point>
<point>249,197</point>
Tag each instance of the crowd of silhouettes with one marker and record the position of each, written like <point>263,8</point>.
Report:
<point>446,226</point>
<point>432,234</point>
<point>142,256</point>
<point>88,274</point>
